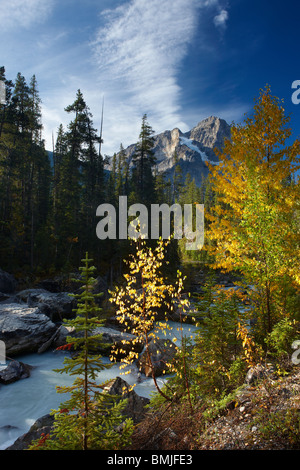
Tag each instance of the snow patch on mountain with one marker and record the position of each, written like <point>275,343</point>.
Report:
<point>195,148</point>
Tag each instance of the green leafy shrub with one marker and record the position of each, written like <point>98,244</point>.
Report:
<point>282,426</point>
<point>281,337</point>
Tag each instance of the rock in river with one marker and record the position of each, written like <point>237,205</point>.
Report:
<point>161,351</point>
<point>56,306</point>
<point>14,371</point>
<point>24,329</point>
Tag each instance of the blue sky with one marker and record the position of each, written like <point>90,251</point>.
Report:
<point>178,61</point>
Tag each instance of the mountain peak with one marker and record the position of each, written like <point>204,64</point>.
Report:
<point>211,133</point>
<point>193,148</point>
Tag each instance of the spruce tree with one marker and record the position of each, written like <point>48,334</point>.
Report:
<point>143,163</point>
<point>177,178</point>
<point>4,107</point>
<point>77,186</point>
<point>25,174</point>
<point>88,419</point>
<point>92,183</point>
<point>35,115</point>
<point>122,173</point>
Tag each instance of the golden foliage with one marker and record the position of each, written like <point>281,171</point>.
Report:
<point>140,299</point>
<point>254,226</point>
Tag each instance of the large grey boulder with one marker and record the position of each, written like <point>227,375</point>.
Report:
<point>24,329</point>
<point>56,306</point>
<point>111,338</point>
<point>14,371</point>
<point>135,407</point>
<point>162,352</point>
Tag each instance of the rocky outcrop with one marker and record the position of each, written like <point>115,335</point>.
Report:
<point>43,425</point>
<point>193,148</point>
<point>111,339</point>
<point>24,329</point>
<point>14,371</point>
<point>162,351</point>
<point>56,306</point>
<point>135,407</point>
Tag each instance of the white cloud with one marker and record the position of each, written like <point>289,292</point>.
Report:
<point>139,53</point>
<point>134,62</point>
<point>23,13</point>
<point>211,3</point>
<point>221,19</point>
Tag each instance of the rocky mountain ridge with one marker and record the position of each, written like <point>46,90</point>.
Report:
<point>194,148</point>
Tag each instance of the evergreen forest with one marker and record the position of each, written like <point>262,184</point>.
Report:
<point>49,198</point>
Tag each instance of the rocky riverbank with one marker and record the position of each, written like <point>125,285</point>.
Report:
<point>31,319</point>
<point>263,414</point>
<point>31,322</point>
<point>135,409</point>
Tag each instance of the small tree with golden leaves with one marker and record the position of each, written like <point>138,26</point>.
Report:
<point>140,299</point>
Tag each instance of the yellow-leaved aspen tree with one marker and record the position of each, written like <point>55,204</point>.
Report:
<point>253,227</point>
<point>139,300</point>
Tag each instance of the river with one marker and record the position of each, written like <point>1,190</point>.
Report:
<point>23,402</point>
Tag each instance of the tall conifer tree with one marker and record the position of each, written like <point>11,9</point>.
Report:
<point>88,419</point>
<point>143,163</point>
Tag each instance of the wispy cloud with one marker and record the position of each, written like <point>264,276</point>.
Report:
<point>139,53</point>
<point>23,13</point>
<point>221,19</point>
<point>134,59</point>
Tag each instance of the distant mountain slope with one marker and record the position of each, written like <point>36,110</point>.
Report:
<point>193,148</point>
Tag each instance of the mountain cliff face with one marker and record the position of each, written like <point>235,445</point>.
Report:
<point>193,148</point>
